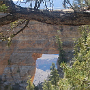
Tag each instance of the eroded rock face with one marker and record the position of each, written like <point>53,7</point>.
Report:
<point>36,55</point>
<point>18,61</point>
<point>16,74</point>
<point>18,69</point>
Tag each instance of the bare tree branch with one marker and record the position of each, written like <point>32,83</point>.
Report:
<point>54,18</point>
<point>9,38</point>
<point>21,29</point>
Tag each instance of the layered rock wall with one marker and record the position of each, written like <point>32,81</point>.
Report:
<point>18,61</point>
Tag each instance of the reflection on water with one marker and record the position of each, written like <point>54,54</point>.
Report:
<point>43,67</point>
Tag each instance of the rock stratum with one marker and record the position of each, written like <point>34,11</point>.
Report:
<point>18,61</point>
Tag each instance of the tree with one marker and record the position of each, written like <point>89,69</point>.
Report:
<point>47,85</point>
<point>54,76</point>
<point>77,77</point>
<point>61,57</point>
<point>46,16</point>
<point>52,83</point>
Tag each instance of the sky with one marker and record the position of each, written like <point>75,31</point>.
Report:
<point>43,67</point>
<point>48,56</point>
<point>57,4</point>
<point>46,61</point>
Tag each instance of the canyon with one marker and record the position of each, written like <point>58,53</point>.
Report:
<point>18,61</point>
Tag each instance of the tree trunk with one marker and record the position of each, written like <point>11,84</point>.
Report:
<point>45,16</point>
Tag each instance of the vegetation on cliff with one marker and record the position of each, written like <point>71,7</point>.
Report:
<point>30,85</point>
<point>62,56</point>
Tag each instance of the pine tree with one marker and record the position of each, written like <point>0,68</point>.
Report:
<point>61,57</point>
<point>47,85</point>
<point>52,84</point>
<point>54,76</point>
<point>78,76</point>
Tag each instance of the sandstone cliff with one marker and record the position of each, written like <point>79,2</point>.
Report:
<point>18,61</point>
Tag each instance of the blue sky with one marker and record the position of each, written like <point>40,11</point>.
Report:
<point>43,67</point>
<point>57,4</point>
<point>48,56</point>
<point>44,63</point>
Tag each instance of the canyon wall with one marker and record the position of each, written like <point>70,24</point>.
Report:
<point>18,61</point>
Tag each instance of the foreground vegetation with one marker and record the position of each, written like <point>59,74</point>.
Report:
<point>77,76</point>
